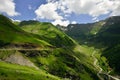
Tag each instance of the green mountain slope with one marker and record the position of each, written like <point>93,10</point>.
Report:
<point>82,32</point>
<point>13,38</point>
<point>79,31</point>
<point>64,53</point>
<point>109,36</point>
<point>103,35</point>
<point>11,34</point>
<point>40,49</point>
<point>48,32</point>
<point>10,71</point>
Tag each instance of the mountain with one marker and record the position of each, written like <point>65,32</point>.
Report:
<point>32,50</point>
<point>79,31</point>
<point>65,49</point>
<point>48,32</point>
<point>109,36</point>
<point>103,35</point>
<point>82,32</point>
<point>10,34</point>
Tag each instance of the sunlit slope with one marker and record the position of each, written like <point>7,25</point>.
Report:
<point>72,61</point>
<point>48,32</point>
<point>109,36</point>
<point>83,32</point>
<point>17,72</point>
<point>12,34</point>
<point>50,50</point>
<point>104,35</point>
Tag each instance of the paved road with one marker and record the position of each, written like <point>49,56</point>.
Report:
<point>97,66</point>
<point>100,69</point>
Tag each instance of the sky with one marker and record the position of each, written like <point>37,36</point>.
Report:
<point>61,12</point>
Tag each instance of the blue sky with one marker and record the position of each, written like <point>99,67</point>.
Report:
<point>61,12</point>
<point>22,6</point>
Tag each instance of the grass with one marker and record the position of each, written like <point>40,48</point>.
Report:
<point>16,35</point>
<point>102,61</point>
<point>5,54</point>
<point>96,27</point>
<point>65,63</point>
<point>60,55</point>
<point>49,33</point>
<point>85,53</point>
<point>16,72</point>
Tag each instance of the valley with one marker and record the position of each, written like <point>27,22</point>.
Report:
<point>103,36</point>
<point>33,50</point>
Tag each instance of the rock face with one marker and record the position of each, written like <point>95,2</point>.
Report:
<point>17,58</point>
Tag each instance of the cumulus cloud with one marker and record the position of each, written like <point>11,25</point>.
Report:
<point>61,22</point>
<point>48,11</point>
<point>95,8</point>
<point>8,7</point>
<point>115,8</point>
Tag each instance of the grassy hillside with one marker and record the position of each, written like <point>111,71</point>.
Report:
<point>103,35</point>
<point>109,34</point>
<point>79,31</point>
<point>109,37</point>
<point>83,32</point>
<point>12,34</point>
<point>64,54</point>
<point>10,71</point>
<point>55,54</point>
<point>48,32</point>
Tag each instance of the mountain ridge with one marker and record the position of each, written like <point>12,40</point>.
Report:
<point>103,35</point>
<point>49,49</point>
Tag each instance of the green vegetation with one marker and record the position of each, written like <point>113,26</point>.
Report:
<point>55,54</point>
<point>104,36</point>
<point>109,37</point>
<point>79,32</point>
<point>66,60</point>
<point>16,72</point>
<point>5,54</point>
<point>12,34</point>
<point>47,32</point>
<point>113,56</point>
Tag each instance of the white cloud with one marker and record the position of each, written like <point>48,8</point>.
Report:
<point>93,8</point>
<point>48,11</point>
<point>116,8</point>
<point>73,22</point>
<point>8,7</point>
<point>53,9</point>
<point>61,22</point>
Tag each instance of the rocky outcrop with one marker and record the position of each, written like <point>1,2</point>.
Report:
<point>18,58</point>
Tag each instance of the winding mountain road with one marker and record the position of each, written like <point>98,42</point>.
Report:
<point>97,66</point>
<point>100,69</point>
